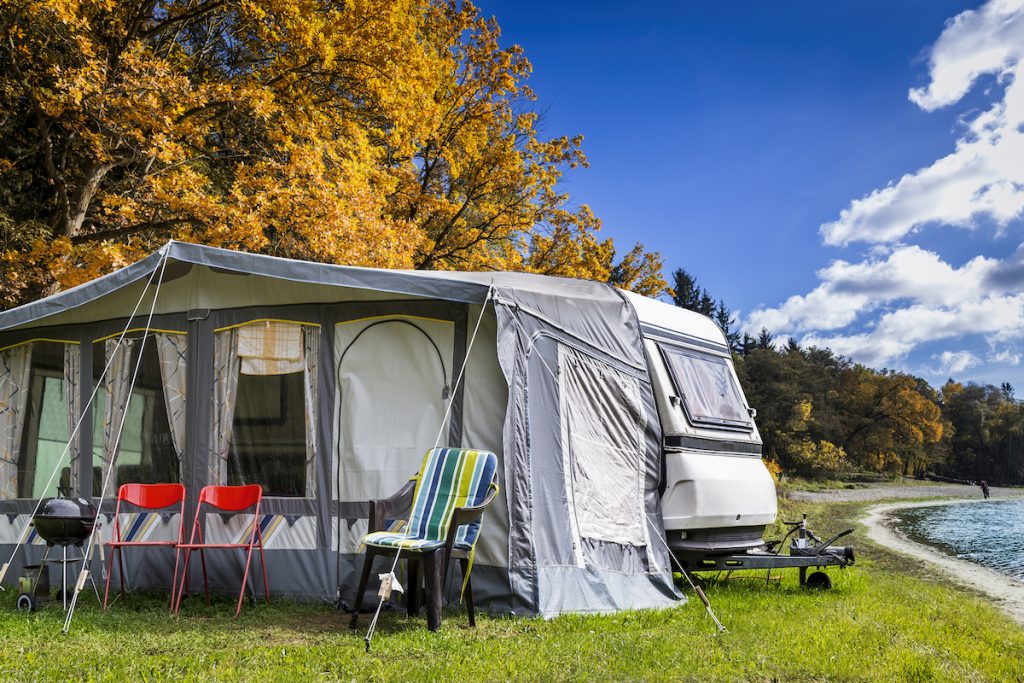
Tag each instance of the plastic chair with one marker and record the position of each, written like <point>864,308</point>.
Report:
<point>227,499</point>
<point>145,497</point>
<point>445,502</point>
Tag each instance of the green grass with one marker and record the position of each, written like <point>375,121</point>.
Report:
<point>886,619</point>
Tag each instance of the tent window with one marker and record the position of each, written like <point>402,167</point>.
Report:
<point>36,416</point>
<point>265,407</point>
<point>268,445</point>
<point>706,385</point>
<point>151,443</point>
<point>602,423</point>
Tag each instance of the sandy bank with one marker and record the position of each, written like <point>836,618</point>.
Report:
<point>1004,591</point>
<point>904,490</point>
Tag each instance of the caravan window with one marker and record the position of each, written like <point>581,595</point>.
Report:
<point>706,385</point>
<point>149,446</point>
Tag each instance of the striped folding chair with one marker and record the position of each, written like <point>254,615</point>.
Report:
<point>444,503</point>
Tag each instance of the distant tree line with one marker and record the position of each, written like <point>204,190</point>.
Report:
<point>820,414</point>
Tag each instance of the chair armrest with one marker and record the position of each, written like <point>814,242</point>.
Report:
<point>468,515</point>
<point>394,507</point>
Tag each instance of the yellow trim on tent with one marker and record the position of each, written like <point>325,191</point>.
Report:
<point>137,329</point>
<point>265,320</point>
<point>41,339</point>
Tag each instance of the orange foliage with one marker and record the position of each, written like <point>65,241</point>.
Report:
<point>379,133</point>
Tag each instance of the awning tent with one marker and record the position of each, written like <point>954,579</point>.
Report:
<point>326,384</point>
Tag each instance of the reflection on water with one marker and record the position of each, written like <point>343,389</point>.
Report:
<point>989,533</point>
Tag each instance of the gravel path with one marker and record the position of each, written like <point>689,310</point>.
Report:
<point>901,492</point>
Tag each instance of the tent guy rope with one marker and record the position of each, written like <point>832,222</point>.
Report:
<point>78,424</point>
<point>84,574</point>
<point>389,578</point>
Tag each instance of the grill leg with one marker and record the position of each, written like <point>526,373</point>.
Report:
<point>64,578</point>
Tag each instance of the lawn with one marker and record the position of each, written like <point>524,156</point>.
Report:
<point>885,619</point>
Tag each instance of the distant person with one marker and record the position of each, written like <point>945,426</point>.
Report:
<point>984,488</point>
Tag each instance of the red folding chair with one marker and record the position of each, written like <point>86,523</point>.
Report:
<point>227,499</point>
<point>145,497</point>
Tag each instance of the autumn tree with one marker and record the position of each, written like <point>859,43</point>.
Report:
<point>892,421</point>
<point>987,439</point>
<point>371,133</point>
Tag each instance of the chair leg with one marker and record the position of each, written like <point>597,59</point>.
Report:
<point>464,563</point>
<point>110,571</point>
<point>245,581</point>
<point>120,576</point>
<point>263,566</point>
<point>206,583</point>
<point>174,579</point>
<point>363,580</point>
<point>184,580</point>
<point>412,591</point>
<point>433,568</point>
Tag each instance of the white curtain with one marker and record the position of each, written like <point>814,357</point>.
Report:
<point>15,370</point>
<point>226,366</point>
<point>73,405</point>
<point>271,348</point>
<point>173,352</point>
<point>117,384</point>
<point>311,337</point>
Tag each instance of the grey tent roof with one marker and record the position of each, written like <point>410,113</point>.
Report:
<point>447,285</point>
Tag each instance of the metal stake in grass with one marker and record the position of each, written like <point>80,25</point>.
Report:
<point>388,583</point>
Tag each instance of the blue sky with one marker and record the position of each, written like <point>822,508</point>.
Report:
<point>753,143</point>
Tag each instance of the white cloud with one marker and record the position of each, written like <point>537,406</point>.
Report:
<point>954,362</point>
<point>908,273</point>
<point>1007,356</point>
<point>974,43</point>
<point>984,175</point>
<point>897,333</point>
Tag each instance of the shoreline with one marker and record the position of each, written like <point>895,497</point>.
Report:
<point>1005,592</point>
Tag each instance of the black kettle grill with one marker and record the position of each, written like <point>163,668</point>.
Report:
<point>64,522</point>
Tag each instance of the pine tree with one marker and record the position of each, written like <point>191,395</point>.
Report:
<point>765,340</point>
<point>723,316</point>
<point>686,293</point>
<point>747,344</point>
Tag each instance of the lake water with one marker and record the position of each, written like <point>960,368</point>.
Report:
<point>989,533</point>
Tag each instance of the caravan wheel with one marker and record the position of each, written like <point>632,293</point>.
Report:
<point>819,581</point>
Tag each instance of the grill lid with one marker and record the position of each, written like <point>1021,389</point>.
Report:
<point>64,521</point>
<point>66,508</point>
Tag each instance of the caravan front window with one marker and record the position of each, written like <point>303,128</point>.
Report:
<point>706,385</point>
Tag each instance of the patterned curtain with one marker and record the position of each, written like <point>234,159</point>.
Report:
<point>73,405</point>
<point>173,351</point>
<point>15,370</point>
<point>226,366</point>
<point>311,337</point>
<point>117,385</point>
